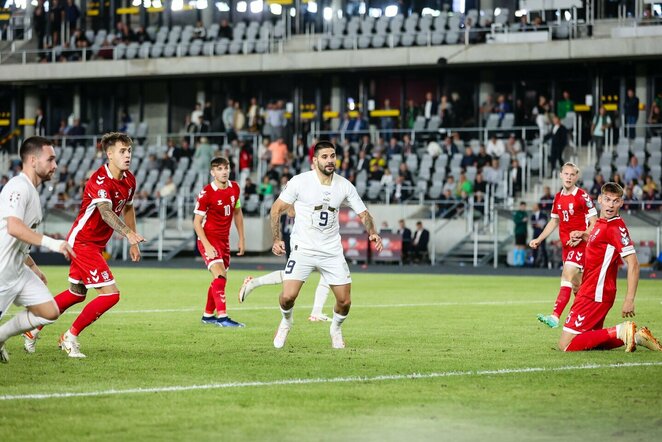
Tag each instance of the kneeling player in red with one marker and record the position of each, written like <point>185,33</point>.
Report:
<point>607,243</point>
<point>108,194</point>
<point>217,205</point>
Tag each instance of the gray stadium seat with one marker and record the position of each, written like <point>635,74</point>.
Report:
<point>132,51</point>
<point>221,48</point>
<point>170,50</point>
<point>452,37</point>
<point>438,37</point>
<point>364,42</point>
<point>235,47</point>
<point>407,40</point>
<point>349,42</point>
<point>335,43</point>
<point>144,50</point>
<point>378,41</point>
<point>196,48</point>
<point>120,51</point>
<point>157,50</point>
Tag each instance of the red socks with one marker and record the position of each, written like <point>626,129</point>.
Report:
<point>92,311</point>
<point>562,300</point>
<point>217,289</point>
<point>211,304</point>
<point>604,339</point>
<point>68,298</point>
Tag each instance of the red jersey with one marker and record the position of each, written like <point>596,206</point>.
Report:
<point>573,211</point>
<point>89,227</point>
<point>608,242</point>
<point>217,206</point>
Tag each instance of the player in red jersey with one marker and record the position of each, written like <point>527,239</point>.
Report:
<point>217,205</point>
<point>573,210</point>
<point>108,194</point>
<point>607,243</point>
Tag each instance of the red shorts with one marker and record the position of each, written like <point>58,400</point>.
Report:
<point>222,252</point>
<point>574,256</point>
<point>586,314</point>
<point>89,267</point>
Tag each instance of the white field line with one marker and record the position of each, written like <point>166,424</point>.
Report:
<point>338,380</point>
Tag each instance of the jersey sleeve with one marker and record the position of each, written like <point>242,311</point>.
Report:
<point>14,200</point>
<point>132,191</point>
<point>290,193</point>
<point>98,190</point>
<point>237,205</point>
<point>554,213</point>
<point>590,207</point>
<point>354,200</point>
<point>201,204</point>
<point>620,238</point>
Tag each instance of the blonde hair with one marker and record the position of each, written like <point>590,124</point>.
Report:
<point>573,165</point>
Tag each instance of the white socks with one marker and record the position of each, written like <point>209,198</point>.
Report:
<point>321,293</point>
<point>287,315</point>
<point>337,321</point>
<point>272,278</point>
<point>22,322</point>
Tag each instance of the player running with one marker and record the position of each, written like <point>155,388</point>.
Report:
<point>108,195</point>
<point>607,243</point>
<point>572,211</point>
<point>217,205</point>
<point>21,281</point>
<point>317,196</point>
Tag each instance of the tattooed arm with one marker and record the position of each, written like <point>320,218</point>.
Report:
<point>369,225</point>
<point>117,224</point>
<point>277,209</point>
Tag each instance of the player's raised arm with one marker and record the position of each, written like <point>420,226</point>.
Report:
<point>115,223</point>
<point>369,224</point>
<point>277,210</point>
<point>238,217</point>
<point>129,213</point>
<point>17,228</point>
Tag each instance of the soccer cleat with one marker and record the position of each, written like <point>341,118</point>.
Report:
<point>549,320</point>
<point>246,289</point>
<point>336,338</point>
<point>4,356</point>
<point>209,320</point>
<point>645,338</point>
<point>318,318</point>
<point>625,333</point>
<point>30,341</point>
<point>69,344</point>
<point>227,322</point>
<point>281,333</point>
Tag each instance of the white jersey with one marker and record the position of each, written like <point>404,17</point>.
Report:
<point>316,229</point>
<point>19,198</point>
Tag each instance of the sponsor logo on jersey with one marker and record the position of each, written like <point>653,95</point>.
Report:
<point>100,179</point>
<point>559,207</point>
<point>220,202</point>
<point>102,193</point>
<point>94,276</point>
<point>105,275</point>
<point>625,240</point>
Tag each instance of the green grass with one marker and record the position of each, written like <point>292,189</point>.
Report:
<point>465,324</point>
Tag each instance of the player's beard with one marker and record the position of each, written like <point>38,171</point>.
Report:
<point>45,174</point>
<point>324,171</point>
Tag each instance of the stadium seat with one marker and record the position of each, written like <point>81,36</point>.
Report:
<point>196,48</point>
<point>407,40</point>
<point>321,44</point>
<point>508,121</point>
<point>378,41</point>
<point>120,51</point>
<point>221,48</point>
<point>349,42</point>
<point>492,121</point>
<point>364,42</point>
<point>452,37</point>
<point>144,50</point>
<point>157,50</point>
<point>335,43</point>
<point>503,16</point>
<point>235,47</point>
<point>438,37</point>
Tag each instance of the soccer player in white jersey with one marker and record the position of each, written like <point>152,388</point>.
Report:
<point>21,281</point>
<point>317,196</point>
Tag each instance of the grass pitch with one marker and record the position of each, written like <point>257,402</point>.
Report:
<point>486,368</point>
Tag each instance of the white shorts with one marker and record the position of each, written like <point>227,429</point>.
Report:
<point>27,290</point>
<point>334,269</point>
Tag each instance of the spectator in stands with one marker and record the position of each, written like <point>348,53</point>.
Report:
<point>239,118</point>
<point>400,190</point>
<point>411,112</point>
<point>541,114</point>
<point>253,116</point>
<point>513,145</point>
<point>469,159</point>
<point>495,147</point>
<point>72,189</point>
<point>601,123</point>
<point>492,173</point>
<point>376,166</point>
<point>197,113</point>
<point>56,15</point>
<point>636,189</point>
<point>596,188</point>
<point>565,105</point>
<point>266,189</point>
<point>203,156</point>
<point>649,184</point>
<point>538,223</point>
<point>654,119</point>
<point>446,112</point>
<point>546,200</point>
<point>479,185</point>
<point>249,188</point>
<point>407,146</point>
<point>450,185</point>
<point>125,119</point>
<point>365,144</point>
<point>616,178</point>
<point>559,140</point>
<point>165,162</point>
<point>81,44</point>
<point>630,200</point>
<point>203,126</point>
<point>346,170</point>
<point>420,242</point>
<point>482,159</point>
<point>405,235</point>
<point>245,157</point>
<point>631,113</point>
<point>386,181</point>
<point>449,147</point>
<point>40,123</point>
<point>516,178</point>
<point>39,17</point>
<point>279,153</point>
<point>276,119</point>
<point>634,171</point>
<point>649,197</point>
<point>465,188</point>
<point>123,34</point>
<point>521,229</point>
<point>169,189</point>
<point>152,163</point>
<point>363,162</point>
<point>394,148</point>
<point>228,117</point>
<point>184,151</point>
<point>225,29</point>
<point>199,31</point>
<point>386,124</point>
<point>503,107</point>
<point>141,36</point>
<point>405,173</point>
<point>72,14</point>
<point>486,108</point>
<point>430,107</point>
<point>77,131</point>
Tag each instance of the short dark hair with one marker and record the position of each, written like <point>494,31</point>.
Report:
<point>219,161</point>
<point>33,146</point>
<point>612,187</point>
<point>323,145</point>
<point>111,138</point>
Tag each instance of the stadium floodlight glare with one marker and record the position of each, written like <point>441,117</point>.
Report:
<point>339,13</point>
<point>177,5</point>
<point>497,12</point>
<point>362,8</point>
<point>276,9</point>
<point>293,12</point>
<point>202,4</point>
<point>137,2</point>
<point>568,16</point>
<point>312,7</point>
<point>157,4</point>
<point>375,12</point>
<point>242,6</point>
<point>222,7</point>
<point>34,3</point>
<point>257,6</point>
<point>520,12</point>
<point>328,13</point>
<point>430,11</point>
<point>391,11</point>
<point>18,4</point>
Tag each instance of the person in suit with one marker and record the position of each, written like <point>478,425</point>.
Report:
<point>538,222</point>
<point>40,123</point>
<point>405,234</point>
<point>363,162</point>
<point>559,137</point>
<point>430,106</point>
<point>420,242</point>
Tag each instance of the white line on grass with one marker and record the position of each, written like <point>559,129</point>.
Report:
<point>339,380</point>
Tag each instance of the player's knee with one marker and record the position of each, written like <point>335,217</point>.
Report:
<point>288,298</point>
<point>344,303</point>
<point>78,289</point>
